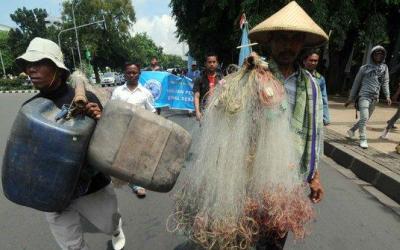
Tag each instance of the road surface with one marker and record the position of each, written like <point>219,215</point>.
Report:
<point>348,218</point>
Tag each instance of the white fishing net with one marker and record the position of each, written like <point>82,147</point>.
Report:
<point>245,180</point>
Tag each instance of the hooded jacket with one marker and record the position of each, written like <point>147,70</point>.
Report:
<point>370,78</point>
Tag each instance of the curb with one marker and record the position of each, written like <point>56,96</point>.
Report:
<point>19,91</point>
<point>380,177</point>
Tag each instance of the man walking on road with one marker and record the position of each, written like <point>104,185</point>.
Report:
<point>154,67</point>
<point>133,93</point>
<point>365,91</point>
<point>287,32</point>
<point>204,85</point>
<point>94,198</point>
<point>194,73</point>
<point>395,117</point>
<point>310,62</point>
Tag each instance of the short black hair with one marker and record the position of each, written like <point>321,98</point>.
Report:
<point>309,52</point>
<point>210,54</point>
<point>127,64</point>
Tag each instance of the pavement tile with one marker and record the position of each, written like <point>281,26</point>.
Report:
<point>379,164</point>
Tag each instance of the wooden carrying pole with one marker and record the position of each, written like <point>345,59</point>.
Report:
<point>78,79</point>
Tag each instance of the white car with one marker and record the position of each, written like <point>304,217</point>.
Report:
<point>92,79</point>
<point>109,78</point>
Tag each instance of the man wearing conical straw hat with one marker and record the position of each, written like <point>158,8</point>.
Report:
<point>256,149</point>
<point>286,33</point>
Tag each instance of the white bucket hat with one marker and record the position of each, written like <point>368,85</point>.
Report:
<point>40,49</point>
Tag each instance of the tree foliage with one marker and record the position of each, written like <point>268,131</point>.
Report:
<point>6,53</point>
<point>141,49</point>
<point>31,24</point>
<point>214,25</point>
<point>105,42</point>
<point>208,26</point>
<point>109,45</point>
<point>172,61</point>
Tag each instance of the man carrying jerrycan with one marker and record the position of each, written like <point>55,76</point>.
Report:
<point>93,197</point>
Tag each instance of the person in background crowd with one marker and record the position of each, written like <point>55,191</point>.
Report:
<point>184,72</point>
<point>232,68</point>
<point>395,117</point>
<point>365,91</point>
<point>132,92</point>
<point>94,198</point>
<point>154,67</point>
<point>310,63</point>
<point>204,85</point>
<point>194,73</point>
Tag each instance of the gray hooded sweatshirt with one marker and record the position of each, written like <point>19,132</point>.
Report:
<point>370,78</point>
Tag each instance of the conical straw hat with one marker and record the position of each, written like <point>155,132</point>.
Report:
<point>290,18</point>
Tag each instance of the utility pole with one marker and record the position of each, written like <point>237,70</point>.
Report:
<point>73,56</point>
<point>76,35</point>
<point>2,64</point>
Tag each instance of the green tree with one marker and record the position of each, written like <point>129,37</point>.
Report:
<point>204,24</point>
<point>172,61</point>
<point>142,48</point>
<point>107,43</point>
<point>208,26</point>
<point>6,53</point>
<point>31,24</point>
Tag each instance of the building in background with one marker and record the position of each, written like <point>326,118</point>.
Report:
<point>4,27</point>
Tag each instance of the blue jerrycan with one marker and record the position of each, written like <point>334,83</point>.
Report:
<point>43,157</point>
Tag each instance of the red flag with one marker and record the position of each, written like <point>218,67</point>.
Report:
<point>242,20</point>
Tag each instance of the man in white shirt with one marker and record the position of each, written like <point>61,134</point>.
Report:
<point>132,92</point>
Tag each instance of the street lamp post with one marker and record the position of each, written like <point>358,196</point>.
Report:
<point>76,28</point>
<point>76,35</point>
<point>73,56</point>
<point>2,64</point>
<point>76,32</point>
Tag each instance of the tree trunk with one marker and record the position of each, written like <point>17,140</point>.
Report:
<point>337,63</point>
<point>393,50</point>
<point>96,69</point>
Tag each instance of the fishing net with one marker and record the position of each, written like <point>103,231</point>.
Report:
<point>245,181</point>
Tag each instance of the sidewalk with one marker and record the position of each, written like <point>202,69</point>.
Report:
<point>379,164</point>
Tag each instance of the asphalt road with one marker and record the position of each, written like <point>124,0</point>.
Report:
<point>348,218</point>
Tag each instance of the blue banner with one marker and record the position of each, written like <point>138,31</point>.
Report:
<point>168,90</point>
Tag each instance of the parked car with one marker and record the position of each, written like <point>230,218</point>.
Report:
<point>120,79</point>
<point>109,78</point>
<point>92,79</point>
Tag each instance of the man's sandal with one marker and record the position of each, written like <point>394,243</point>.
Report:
<point>139,191</point>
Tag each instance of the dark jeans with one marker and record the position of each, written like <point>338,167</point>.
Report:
<point>268,243</point>
<point>394,119</point>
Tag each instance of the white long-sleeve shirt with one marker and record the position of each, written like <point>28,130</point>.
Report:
<point>139,96</point>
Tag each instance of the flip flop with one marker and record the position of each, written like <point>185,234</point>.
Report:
<point>139,191</point>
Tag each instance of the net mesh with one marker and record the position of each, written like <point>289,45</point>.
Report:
<point>245,180</point>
